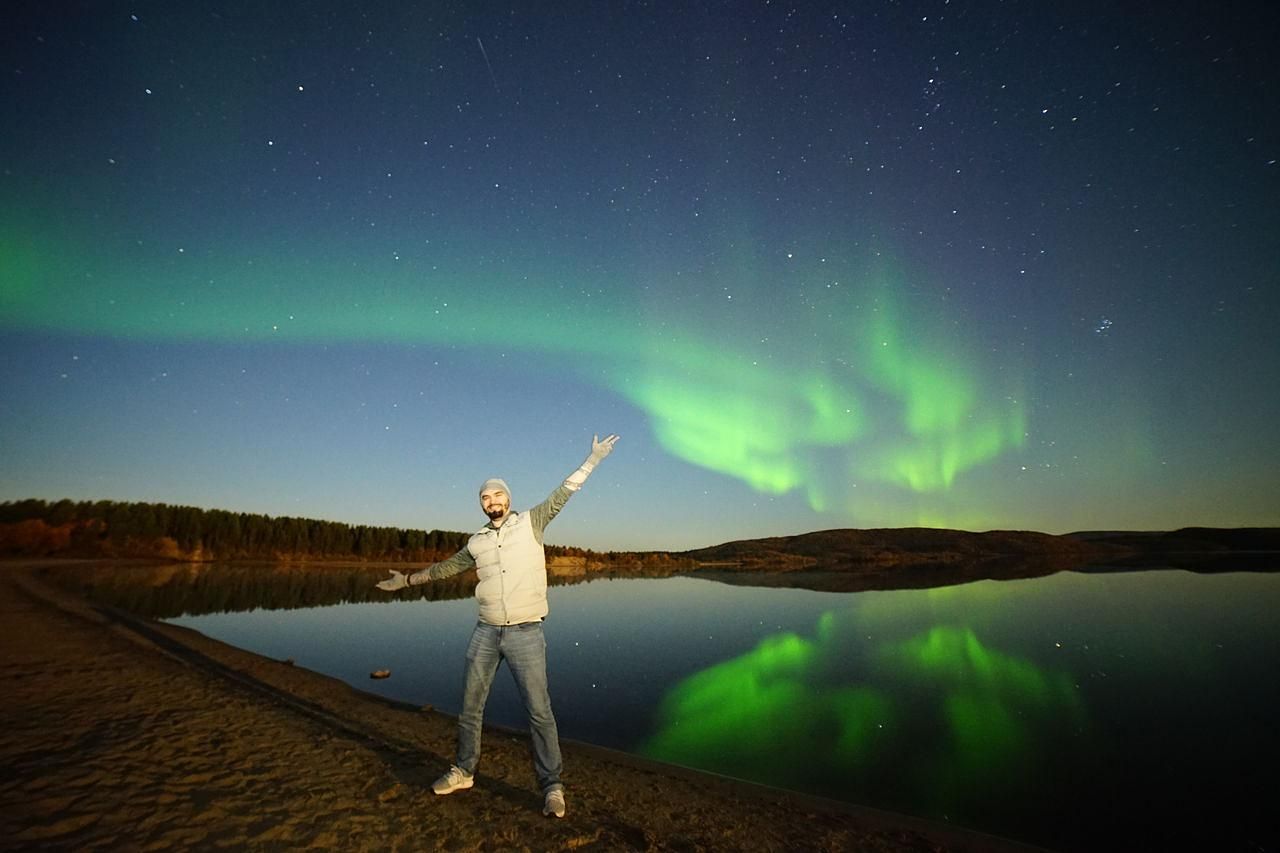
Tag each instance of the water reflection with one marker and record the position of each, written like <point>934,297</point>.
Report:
<point>732,717</point>
<point>939,717</point>
<point>1125,701</point>
<point>1060,710</point>
<point>994,713</point>
<point>168,590</point>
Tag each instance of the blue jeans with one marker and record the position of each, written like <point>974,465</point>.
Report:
<point>524,648</point>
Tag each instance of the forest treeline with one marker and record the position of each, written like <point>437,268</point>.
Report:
<point>36,528</point>
<point>131,529</point>
<point>65,528</point>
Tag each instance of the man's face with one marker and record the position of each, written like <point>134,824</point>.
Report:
<point>495,503</point>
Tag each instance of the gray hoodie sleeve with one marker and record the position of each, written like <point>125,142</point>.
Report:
<point>541,515</point>
<point>457,564</point>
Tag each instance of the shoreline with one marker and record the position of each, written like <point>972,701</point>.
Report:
<point>120,731</point>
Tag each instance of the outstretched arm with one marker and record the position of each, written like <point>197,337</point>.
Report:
<point>456,564</point>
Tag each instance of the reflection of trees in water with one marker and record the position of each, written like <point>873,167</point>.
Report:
<point>169,590</point>
<point>176,590</point>
<point>165,590</point>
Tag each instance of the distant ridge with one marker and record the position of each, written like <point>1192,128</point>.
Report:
<point>1188,539</point>
<point>894,546</point>
<point>851,560</point>
<point>845,558</point>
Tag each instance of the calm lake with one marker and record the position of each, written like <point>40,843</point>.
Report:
<point>1078,711</point>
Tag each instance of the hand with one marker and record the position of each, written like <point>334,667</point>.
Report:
<point>393,583</point>
<point>601,449</point>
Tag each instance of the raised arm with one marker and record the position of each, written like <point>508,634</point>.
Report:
<point>542,514</point>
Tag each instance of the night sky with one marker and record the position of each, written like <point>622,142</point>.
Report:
<point>977,265</point>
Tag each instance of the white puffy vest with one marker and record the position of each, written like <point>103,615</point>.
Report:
<point>513,572</point>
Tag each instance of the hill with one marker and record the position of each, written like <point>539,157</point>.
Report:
<point>849,560</point>
<point>1203,540</point>
<point>885,547</point>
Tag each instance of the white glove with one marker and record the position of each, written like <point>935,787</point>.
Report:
<point>601,449</point>
<point>393,583</point>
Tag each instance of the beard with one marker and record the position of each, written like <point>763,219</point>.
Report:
<point>496,513</point>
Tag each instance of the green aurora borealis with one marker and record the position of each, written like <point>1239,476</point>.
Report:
<point>886,266</point>
<point>862,394</point>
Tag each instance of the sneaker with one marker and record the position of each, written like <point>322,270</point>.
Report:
<point>553,803</point>
<point>455,780</point>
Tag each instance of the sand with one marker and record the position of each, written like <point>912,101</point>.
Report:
<point>120,733</point>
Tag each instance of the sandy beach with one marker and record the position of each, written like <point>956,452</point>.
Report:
<point>120,733</point>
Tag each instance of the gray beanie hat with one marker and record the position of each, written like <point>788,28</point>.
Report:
<point>495,483</point>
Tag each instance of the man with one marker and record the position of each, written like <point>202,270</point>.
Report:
<point>512,593</point>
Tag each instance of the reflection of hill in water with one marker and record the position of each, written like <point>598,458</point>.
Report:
<point>855,578</point>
